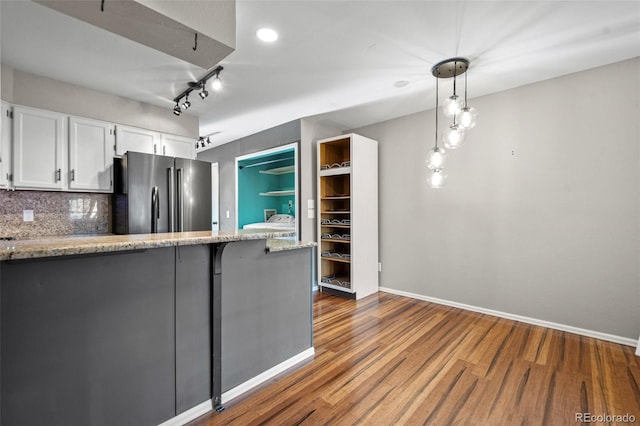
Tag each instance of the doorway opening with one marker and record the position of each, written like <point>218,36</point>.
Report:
<point>267,189</point>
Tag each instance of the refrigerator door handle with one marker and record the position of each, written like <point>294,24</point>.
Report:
<point>172,200</point>
<point>155,209</point>
<point>179,191</point>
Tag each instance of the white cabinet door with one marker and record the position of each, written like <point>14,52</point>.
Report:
<point>178,146</point>
<point>91,150</point>
<point>138,140</point>
<point>5,146</point>
<point>38,149</point>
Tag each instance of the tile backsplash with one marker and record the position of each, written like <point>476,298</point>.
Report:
<point>54,213</point>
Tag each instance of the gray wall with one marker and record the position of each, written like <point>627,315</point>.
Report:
<point>36,91</point>
<point>305,131</point>
<point>540,215</point>
<point>226,155</point>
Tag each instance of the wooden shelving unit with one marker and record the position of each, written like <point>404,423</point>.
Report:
<point>348,219</point>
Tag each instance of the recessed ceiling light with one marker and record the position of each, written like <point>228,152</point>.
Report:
<point>267,34</point>
<point>401,83</point>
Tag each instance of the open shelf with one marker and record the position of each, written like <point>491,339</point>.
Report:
<point>279,170</point>
<point>336,240</point>
<point>337,197</point>
<point>337,259</point>
<point>278,193</point>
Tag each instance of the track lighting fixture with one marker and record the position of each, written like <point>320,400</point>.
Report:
<point>198,85</point>
<point>204,92</point>
<point>217,83</point>
<point>464,118</point>
<point>186,104</point>
<point>202,142</point>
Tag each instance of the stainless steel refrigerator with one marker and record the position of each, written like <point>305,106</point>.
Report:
<point>154,193</point>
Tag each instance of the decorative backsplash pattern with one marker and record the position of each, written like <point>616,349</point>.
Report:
<point>55,213</point>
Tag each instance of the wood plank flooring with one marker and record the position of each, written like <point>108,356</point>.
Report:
<point>391,360</point>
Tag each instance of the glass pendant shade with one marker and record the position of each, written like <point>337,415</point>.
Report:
<point>453,136</point>
<point>437,178</point>
<point>452,105</point>
<point>436,158</point>
<point>468,117</point>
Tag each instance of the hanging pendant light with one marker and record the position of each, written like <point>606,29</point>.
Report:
<point>436,158</point>
<point>437,178</point>
<point>453,136</point>
<point>468,115</point>
<point>436,155</point>
<point>454,104</point>
<point>464,118</point>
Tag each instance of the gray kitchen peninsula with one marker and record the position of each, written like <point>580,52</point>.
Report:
<point>147,329</point>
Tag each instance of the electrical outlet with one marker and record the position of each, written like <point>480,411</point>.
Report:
<point>311,213</point>
<point>379,266</point>
<point>27,215</point>
<point>227,214</point>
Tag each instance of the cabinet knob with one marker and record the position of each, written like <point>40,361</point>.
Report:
<point>58,175</point>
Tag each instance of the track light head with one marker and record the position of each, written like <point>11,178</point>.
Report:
<point>217,83</point>
<point>177,110</point>
<point>204,92</point>
<point>186,104</point>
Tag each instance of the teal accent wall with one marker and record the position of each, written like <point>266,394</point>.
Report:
<point>251,183</point>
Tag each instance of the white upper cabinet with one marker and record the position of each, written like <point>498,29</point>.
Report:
<point>5,146</point>
<point>91,151</point>
<point>38,149</point>
<point>138,140</point>
<point>178,146</point>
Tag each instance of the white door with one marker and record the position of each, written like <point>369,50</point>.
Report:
<point>91,150</point>
<point>178,146</point>
<point>39,144</point>
<point>5,146</point>
<point>138,140</point>
<point>215,197</point>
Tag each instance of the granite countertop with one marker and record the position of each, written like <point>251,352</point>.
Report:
<point>275,245</point>
<point>77,245</point>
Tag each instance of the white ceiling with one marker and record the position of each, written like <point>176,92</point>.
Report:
<point>336,61</point>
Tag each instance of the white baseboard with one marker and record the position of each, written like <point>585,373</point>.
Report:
<point>562,327</point>
<point>270,373</point>
<point>190,414</point>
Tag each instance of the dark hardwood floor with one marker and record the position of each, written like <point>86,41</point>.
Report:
<point>391,360</point>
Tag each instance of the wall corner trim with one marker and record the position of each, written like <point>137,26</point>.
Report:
<point>638,348</point>
<point>268,374</point>
<point>534,321</point>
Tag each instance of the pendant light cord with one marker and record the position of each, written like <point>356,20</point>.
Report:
<point>465,87</point>
<point>455,74</point>
<point>437,83</point>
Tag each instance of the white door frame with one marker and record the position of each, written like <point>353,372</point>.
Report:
<point>270,151</point>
